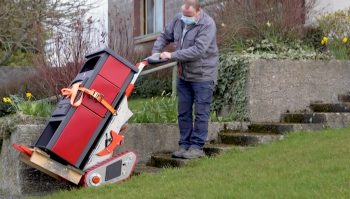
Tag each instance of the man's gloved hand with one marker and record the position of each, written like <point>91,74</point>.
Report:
<point>156,58</point>
<point>165,55</point>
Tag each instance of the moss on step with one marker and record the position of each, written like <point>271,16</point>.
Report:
<point>330,107</point>
<point>165,160</point>
<point>239,139</point>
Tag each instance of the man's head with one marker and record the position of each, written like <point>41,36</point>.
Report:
<point>191,8</point>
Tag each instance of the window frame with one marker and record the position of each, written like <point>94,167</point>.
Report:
<point>140,22</point>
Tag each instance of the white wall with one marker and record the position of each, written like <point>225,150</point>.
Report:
<point>100,15</point>
<point>333,5</point>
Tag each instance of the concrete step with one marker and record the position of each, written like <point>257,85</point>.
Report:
<point>283,128</point>
<point>304,118</point>
<point>247,138</point>
<point>215,149</point>
<point>331,107</point>
<point>161,160</point>
<point>164,160</point>
<point>344,97</point>
<point>143,168</point>
<point>333,120</point>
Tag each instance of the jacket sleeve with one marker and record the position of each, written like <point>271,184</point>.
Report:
<point>166,37</point>
<point>202,42</point>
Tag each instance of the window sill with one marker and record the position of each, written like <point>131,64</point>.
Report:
<point>146,38</point>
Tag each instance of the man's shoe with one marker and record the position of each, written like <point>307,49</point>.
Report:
<point>179,153</point>
<point>193,153</point>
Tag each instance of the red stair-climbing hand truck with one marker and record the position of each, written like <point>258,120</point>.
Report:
<point>78,141</point>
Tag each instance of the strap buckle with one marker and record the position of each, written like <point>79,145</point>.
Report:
<point>98,96</point>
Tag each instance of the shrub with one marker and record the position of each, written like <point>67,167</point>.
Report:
<point>312,37</point>
<point>336,30</point>
<point>27,105</point>
<point>18,58</point>
<point>258,19</point>
<point>149,86</point>
<point>231,88</point>
<point>336,24</point>
<point>276,48</point>
<point>154,84</point>
<point>44,83</point>
<point>5,109</point>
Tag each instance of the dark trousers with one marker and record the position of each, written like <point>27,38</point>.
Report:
<point>199,94</point>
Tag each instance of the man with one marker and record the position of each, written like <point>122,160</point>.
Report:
<point>193,33</point>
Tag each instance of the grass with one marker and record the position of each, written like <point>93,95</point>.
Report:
<point>154,110</point>
<point>27,106</point>
<point>309,165</point>
<point>41,108</point>
<point>161,110</point>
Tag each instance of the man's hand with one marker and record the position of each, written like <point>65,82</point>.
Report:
<point>165,55</point>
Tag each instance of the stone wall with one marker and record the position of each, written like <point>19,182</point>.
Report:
<point>16,178</point>
<point>146,139</point>
<point>278,86</point>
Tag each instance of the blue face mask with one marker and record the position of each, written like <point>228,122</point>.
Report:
<point>188,20</point>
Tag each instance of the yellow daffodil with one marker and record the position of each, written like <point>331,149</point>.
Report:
<point>324,41</point>
<point>6,100</point>
<point>29,95</point>
<point>345,40</point>
<point>268,24</point>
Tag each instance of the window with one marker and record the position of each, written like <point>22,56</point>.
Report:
<point>152,16</point>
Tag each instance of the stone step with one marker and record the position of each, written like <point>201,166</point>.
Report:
<point>333,120</point>
<point>304,118</point>
<point>143,168</point>
<point>330,107</point>
<point>283,128</point>
<point>247,138</point>
<point>344,97</point>
<point>164,160</point>
<point>215,149</point>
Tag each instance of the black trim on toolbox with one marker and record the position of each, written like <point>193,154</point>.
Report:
<point>116,56</point>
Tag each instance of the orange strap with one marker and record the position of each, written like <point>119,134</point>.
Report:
<point>116,141</point>
<point>72,93</point>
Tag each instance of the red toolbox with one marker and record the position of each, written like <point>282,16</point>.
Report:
<point>72,132</point>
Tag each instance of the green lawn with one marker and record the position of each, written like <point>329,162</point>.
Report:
<point>315,165</point>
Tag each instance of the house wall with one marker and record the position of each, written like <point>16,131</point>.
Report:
<point>128,11</point>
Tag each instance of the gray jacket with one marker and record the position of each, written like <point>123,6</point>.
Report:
<point>198,55</point>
